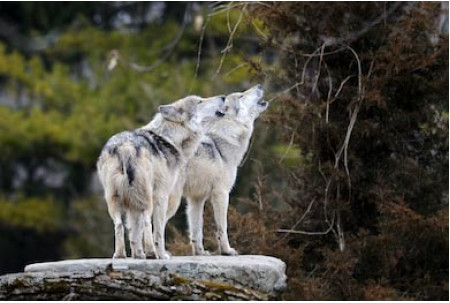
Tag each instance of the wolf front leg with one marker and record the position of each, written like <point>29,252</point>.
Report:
<point>219,201</point>
<point>161,201</point>
<point>149,244</point>
<point>175,197</point>
<point>195,221</point>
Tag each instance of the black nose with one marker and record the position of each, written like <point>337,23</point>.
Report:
<point>223,98</point>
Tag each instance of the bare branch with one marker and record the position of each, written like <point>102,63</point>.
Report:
<point>289,146</point>
<point>260,32</point>
<point>354,115</point>
<point>299,53</point>
<point>318,72</point>
<point>330,90</point>
<point>229,45</point>
<point>199,52</point>
<point>222,8</point>
<point>285,91</point>
<point>307,62</point>
<point>296,75</point>
<point>317,52</point>
<point>308,209</point>
<point>228,17</point>
<point>309,233</point>
<point>341,86</point>
<point>258,191</point>
<point>236,68</point>
<point>340,232</point>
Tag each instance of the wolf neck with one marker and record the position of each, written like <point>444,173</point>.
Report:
<point>185,139</point>
<point>231,139</point>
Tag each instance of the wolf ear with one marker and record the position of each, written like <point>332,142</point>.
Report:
<point>169,112</point>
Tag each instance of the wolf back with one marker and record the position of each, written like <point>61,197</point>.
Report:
<point>128,146</point>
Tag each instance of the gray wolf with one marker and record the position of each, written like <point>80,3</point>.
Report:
<point>211,173</point>
<point>139,168</point>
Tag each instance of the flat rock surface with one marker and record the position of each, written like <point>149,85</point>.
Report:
<point>261,273</point>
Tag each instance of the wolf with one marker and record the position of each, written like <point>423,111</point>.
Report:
<point>211,173</point>
<point>139,168</point>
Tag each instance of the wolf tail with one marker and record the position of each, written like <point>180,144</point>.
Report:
<point>132,188</point>
<point>128,159</point>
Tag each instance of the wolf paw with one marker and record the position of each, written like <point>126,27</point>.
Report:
<point>230,252</point>
<point>150,255</point>
<point>202,253</point>
<point>119,256</point>
<point>164,255</point>
<point>139,256</point>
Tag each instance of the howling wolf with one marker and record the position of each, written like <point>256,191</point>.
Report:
<point>210,174</point>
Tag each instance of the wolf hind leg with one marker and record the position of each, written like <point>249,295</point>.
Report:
<point>161,201</point>
<point>149,243</point>
<point>115,212</point>
<point>136,220</point>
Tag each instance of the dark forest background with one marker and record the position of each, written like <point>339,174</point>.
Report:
<point>347,176</point>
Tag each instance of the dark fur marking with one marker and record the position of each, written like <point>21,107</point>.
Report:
<point>164,145</point>
<point>138,151</point>
<point>112,150</point>
<point>219,114</point>
<point>150,143</point>
<point>216,145</point>
<point>130,172</point>
<point>209,149</point>
<point>185,142</point>
<point>140,138</point>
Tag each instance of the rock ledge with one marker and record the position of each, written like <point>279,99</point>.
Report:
<point>248,277</point>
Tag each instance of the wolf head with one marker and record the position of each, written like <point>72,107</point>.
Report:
<point>180,121</point>
<point>191,110</point>
<point>247,105</point>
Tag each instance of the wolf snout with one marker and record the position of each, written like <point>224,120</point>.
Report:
<point>259,91</point>
<point>257,87</point>
<point>263,103</point>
